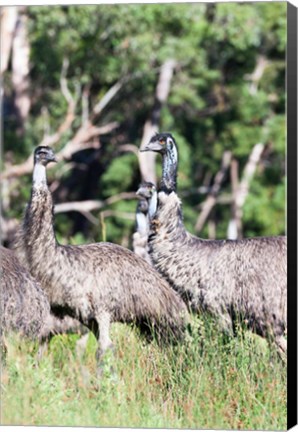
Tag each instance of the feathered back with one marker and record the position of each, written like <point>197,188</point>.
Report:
<point>24,306</point>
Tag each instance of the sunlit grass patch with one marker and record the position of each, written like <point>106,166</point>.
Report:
<point>209,381</point>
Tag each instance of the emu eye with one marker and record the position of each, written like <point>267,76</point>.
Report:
<point>162,141</point>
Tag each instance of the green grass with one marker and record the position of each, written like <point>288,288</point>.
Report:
<point>207,382</point>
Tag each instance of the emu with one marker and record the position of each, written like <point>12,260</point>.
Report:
<point>145,193</point>
<point>244,279</point>
<point>96,283</point>
<point>25,308</point>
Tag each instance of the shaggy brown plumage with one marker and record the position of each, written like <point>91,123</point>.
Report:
<point>96,283</point>
<point>244,279</point>
<point>24,306</point>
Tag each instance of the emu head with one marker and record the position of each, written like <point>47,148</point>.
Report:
<point>165,144</point>
<point>162,143</point>
<point>148,194</point>
<point>44,155</point>
<point>146,190</point>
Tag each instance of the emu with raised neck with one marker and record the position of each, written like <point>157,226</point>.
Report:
<point>38,230</point>
<point>96,283</point>
<point>228,278</point>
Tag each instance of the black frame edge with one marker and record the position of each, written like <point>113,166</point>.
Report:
<point>292,212</point>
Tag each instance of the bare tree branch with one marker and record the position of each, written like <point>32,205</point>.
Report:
<point>111,93</point>
<point>85,105</point>
<point>119,197</point>
<point>83,135</point>
<point>63,83</point>
<point>123,215</point>
<point>107,97</point>
<point>79,206</point>
<point>256,75</point>
<point>129,148</point>
<point>210,201</point>
<point>90,205</point>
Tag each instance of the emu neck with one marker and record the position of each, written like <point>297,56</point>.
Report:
<point>38,228</point>
<point>169,216</point>
<point>152,205</point>
<point>39,176</point>
<point>142,223</point>
<point>169,171</point>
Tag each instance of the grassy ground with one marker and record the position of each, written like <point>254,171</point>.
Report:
<point>207,382</point>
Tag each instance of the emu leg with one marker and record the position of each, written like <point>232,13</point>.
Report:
<point>281,343</point>
<point>103,336</point>
<point>81,345</point>
<point>104,344</point>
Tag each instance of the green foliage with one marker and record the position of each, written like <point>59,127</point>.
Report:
<point>117,177</point>
<point>213,104</point>
<point>208,382</point>
<point>261,205</point>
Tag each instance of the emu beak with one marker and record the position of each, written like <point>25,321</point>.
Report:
<point>153,146</point>
<point>52,158</point>
<point>139,191</point>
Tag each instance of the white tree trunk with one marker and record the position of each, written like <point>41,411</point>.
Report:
<point>147,159</point>
<point>20,68</point>
<point>240,194</point>
<point>8,24</point>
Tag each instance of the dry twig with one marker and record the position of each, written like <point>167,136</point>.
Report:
<point>210,201</point>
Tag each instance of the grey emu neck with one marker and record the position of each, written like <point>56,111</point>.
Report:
<point>38,223</point>
<point>168,182</point>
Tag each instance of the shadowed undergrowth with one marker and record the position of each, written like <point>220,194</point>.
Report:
<point>208,382</point>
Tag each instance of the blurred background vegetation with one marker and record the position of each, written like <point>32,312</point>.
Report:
<point>84,79</point>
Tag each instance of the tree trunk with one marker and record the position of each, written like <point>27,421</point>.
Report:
<point>235,225</point>
<point>240,194</point>
<point>147,159</point>
<point>211,199</point>
<point>20,69</point>
<point>8,25</point>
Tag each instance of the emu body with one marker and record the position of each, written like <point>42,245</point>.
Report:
<point>25,308</point>
<point>244,279</point>
<point>96,283</point>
